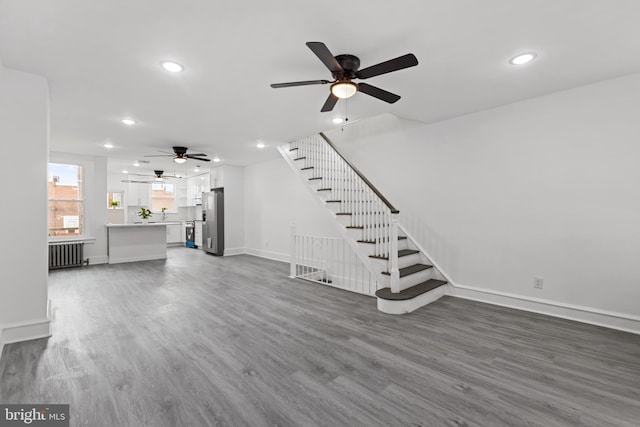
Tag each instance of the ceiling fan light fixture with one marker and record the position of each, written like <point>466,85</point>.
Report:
<point>179,159</point>
<point>216,159</point>
<point>344,90</point>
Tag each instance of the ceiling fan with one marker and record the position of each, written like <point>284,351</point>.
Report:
<point>158,175</point>
<point>344,68</point>
<point>180,155</point>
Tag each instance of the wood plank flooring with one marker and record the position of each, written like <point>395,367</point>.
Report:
<point>203,341</point>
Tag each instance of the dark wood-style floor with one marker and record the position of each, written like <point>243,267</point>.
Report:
<point>205,341</point>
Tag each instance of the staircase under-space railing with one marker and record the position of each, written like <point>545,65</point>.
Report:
<point>405,277</point>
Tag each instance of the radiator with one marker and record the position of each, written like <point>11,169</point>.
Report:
<point>65,254</point>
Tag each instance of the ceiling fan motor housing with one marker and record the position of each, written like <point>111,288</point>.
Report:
<point>350,65</point>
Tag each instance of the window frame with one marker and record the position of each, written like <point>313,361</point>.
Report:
<point>81,202</point>
<point>173,198</point>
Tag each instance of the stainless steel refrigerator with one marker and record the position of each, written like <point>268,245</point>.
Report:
<point>213,221</point>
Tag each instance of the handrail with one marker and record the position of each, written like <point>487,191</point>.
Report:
<point>362,177</point>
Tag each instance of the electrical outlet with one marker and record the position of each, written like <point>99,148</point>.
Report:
<point>538,282</point>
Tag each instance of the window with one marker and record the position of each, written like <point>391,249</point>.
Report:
<point>66,204</point>
<point>163,196</point>
<point>114,200</point>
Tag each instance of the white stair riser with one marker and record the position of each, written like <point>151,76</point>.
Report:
<point>410,280</point>
<point>368,248</point>
<point>344,220</point>
<point>407,306</point>
<point>403,262</point>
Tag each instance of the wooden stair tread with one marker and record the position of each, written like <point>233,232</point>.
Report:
<point>373,242</point>
<point>299,158</point>
<point>317,177</point>
<point>323,189</point>
<point>308,167</point>
<point>293,149</point>
<point>412,269</point>
<point>401,253</point>
<point>344,213</point>
<point>412,292</point>
<point>333,201</point>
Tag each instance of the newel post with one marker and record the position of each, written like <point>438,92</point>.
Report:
<point>292,271</point>
<point>393,255</point>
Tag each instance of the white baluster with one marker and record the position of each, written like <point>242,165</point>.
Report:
<point>292,270</point>
<point>393,255</point>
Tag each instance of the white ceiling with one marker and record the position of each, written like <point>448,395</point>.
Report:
<point>102,62</point>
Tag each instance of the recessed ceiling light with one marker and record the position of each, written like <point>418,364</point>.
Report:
<point>196,169</point>
<point>129,122</point>
<point>136,163</point>
<point>173,67</point>
<point>108,145</point>
<point>125,171</point>
<point>523,59</point>
<point>260,145</point>
<point>216,159</point>
<point>337,120</point>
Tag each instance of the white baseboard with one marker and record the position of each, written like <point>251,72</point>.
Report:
<point>26,331</point>
<point>275,256</point>
<point>98,259</point>
<point>150,257</point>
<point>608,319</point>
<point>234,251</point>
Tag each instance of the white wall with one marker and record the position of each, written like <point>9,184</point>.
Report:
<point>546,187</point>
<point>24,125</point>
<point>234,209</point>
<point>275,197</point>
<point>95,201</point>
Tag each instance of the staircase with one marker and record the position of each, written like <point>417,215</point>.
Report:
<point>369,223</point>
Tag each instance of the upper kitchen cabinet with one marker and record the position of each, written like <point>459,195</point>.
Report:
<point>196,185</point>
<point>139,194</point>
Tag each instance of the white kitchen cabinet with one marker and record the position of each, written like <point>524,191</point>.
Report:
<point>139,194</point>
<point>196,185</point>
<point>174,235</point>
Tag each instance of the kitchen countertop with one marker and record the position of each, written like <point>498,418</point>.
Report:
<point>148,224</point>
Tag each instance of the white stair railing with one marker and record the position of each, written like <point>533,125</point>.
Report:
<point>330,261</point>
<point>341,183</point>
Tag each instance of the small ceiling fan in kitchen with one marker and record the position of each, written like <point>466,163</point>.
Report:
<point>158,175</point>
<point>180,155</point>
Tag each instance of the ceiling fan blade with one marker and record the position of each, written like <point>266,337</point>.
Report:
<point>133,181</point>
<point>399,63</point>
<point>303,83</point>
<point>376,92</point>
<point>323,53</point>
<point>197,154</point>
<point>329,103</point>
<point>189,156</point>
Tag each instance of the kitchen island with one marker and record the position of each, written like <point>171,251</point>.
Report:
<point>136,242</point>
